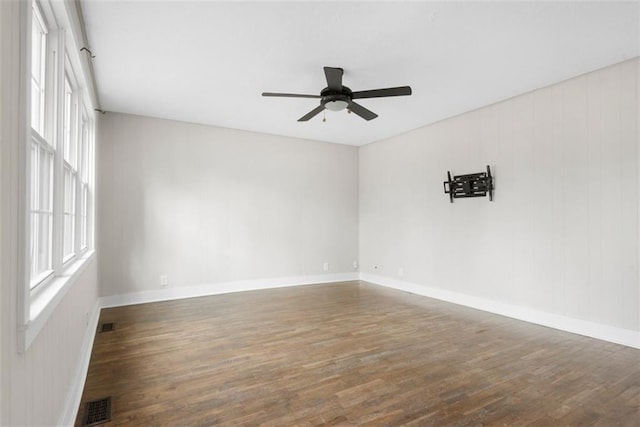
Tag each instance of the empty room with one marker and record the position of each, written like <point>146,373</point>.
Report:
<point>314,213</point>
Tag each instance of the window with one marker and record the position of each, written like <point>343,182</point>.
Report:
<point>60,160</point>
<point>41,211</point>
<point>38,64</point>
<point>42,159</point>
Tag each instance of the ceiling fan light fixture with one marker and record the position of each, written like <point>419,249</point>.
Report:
<point>337,97</point>
<point>337,105</point>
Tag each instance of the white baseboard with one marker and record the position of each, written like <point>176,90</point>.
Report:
<point>612,334</point>
<point>74,395</point>
<point>599,331</point>
<point>221,288</point>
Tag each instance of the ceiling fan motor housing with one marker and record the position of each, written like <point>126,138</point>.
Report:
<point>336,100</point>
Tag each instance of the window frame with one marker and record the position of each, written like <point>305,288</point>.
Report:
<point>43,137</point>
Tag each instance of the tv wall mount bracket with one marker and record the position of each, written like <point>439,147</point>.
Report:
<point>471,185</point>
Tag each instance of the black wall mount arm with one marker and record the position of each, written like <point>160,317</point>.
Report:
<point>470,185</point>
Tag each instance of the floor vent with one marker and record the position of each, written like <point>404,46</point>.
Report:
<point>107,327</point>
<point>97,412</point>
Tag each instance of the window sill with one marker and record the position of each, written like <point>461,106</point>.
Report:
<point>40,280</point>
<point>44,302</point>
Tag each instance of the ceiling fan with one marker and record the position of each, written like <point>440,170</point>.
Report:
<point>336,97</point>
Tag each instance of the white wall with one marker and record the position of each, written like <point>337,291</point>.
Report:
<point>44,382</point>
<point>206,205</point>
<point>562,234</point>
<point>2,236</point>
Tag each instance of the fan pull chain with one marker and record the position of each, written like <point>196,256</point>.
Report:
<point>324,115</point>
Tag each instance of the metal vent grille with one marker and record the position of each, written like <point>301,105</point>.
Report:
<point>107,327</point>
<point>97,412</point>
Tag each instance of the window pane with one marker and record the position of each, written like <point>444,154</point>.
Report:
<point>35,177</point>
<point>68,235</point>
<point>41,218</point>
<point>34,246</point>
<point>44,254</point>
<point>45,201</point>
<point>69,210</point>
<point>36,46</point>
<point>83,220</point>
<point>84,164</point>
<point>66,141</point>
<point>40,246</point>
<point>38,55</point>
<point>36,107</point>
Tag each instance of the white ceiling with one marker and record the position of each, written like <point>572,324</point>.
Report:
<point>209,62</point>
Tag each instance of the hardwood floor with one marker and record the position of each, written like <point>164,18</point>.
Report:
<point>352,354</point>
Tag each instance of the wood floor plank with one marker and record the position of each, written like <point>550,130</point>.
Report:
<point>351,354</point>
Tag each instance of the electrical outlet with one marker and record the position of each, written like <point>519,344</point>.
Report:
<point>355,265</point>
<point>400,272</point>
<point>325,266</point>
<point>164,280</point>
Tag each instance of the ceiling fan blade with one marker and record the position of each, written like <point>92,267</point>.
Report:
<point>334,78</point>
<point>290,95</point>
<point>379,93</point>
<point>361,111</point>
<point>311,113</point>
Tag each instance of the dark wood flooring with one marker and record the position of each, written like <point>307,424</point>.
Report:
<point>352,354</point>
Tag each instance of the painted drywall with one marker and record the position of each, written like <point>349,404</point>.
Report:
<point>561,235</point>
<point>3,237</point>
<point>45,378</point>
<point>204,205</point>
